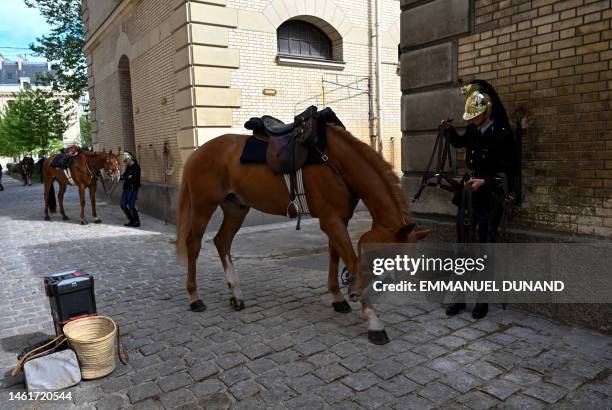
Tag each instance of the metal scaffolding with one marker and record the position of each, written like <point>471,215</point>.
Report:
<point>338,87</point>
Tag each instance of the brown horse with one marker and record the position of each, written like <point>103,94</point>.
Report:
<point>83,172</point>
<point>27,168</point>
<point>213,176</point>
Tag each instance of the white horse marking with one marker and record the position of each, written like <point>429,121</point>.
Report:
<point>232,278</point>
<point>374,323</point>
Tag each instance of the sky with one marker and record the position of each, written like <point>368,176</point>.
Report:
<point>19,26</point>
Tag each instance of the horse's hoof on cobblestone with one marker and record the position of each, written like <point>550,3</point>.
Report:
<point>378,337</point>
<point>47,219</point>
<point>237,304</point>
<point>342,307</point>
<point>97,221</point>
<point>197,306</point>
<point>65,218</point>
<point>83,222</point>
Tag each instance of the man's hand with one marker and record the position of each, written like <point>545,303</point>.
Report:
<point>476,183</point>
<point>446,124</point>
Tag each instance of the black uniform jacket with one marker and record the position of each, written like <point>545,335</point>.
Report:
<point>486,154</point>
<point>131,177</point>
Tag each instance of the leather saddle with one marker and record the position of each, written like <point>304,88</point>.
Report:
<point>288,144</point>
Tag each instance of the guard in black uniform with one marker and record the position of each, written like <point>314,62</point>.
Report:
<point>490,159</point>
<point>131,185</point>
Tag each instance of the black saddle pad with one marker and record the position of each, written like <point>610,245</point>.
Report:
<point>254,152</point>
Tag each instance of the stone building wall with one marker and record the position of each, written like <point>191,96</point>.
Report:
<point>553,60</point>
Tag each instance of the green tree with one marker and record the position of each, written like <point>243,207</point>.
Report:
<point>63,46</point>
<point>85,126</point>
<point>34,122</point>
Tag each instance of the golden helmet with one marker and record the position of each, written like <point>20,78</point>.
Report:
<point>477,101</point>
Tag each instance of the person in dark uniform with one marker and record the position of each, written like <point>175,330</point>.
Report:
<point>131,184</point>
<point>1,187</point>
<point>490,160</point>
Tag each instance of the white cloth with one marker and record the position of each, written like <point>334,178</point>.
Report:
<point>53,372</point>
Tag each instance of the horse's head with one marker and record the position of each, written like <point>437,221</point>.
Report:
<point>111,166</point>
<point>379,235</point>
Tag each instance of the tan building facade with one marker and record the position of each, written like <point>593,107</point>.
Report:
<point>167,76</point>
<point>548,60</point>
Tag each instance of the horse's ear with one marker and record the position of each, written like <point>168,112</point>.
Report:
<point>110,152</point>
<point>104,150</point>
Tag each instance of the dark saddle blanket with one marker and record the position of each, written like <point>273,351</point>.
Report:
<point>63,161</point>
<point>288,147</point>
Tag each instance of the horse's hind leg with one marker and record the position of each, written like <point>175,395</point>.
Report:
<point>60,197</point>
<point>233,216</point>
<point>199,222</point>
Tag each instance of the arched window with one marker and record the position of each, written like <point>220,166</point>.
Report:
<point>299,38</point>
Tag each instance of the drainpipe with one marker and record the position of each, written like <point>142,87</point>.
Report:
<point>379,110</point>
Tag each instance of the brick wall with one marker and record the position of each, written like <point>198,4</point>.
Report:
<point>553,59</point>
<point>153,89</point>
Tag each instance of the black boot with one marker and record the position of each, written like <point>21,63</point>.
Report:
<point>136,218</point>
<point>480,310</point>
<point>129,217</point>
<point>455,308</point>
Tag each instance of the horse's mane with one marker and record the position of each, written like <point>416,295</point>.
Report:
<point>382,168</point>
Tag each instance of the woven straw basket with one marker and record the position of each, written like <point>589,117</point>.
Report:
<point>94,340</point>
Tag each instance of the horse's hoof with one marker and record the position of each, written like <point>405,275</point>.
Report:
<point>47,219</point>
<point>97,221</point>
<point>83,222</point>
<point>236,303</point>
<point>197,306</point>
<point>378,337</point>
<point>65,218</point>
<point>342,307</point>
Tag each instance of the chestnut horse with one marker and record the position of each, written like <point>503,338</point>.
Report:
<point>27,168</point>
<point>83,172</point>
<point>213,176</point>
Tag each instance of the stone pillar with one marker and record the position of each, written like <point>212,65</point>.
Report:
<point>428,65</point>
<point>203,63</point>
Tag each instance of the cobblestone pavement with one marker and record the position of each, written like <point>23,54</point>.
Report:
<point>288,349</point>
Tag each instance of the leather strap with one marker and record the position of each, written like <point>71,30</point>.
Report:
<point>42,351</point>
<point>121,350</point>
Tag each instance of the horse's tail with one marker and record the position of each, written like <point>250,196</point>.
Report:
<point>52,202</point>
<point>183,212</point>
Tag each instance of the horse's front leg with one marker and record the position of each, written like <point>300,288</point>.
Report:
<point>82,200</point>
<point>339,303</point>
<point>92,198</point>
<point>336,231</point>
<point>338,235</point>
<point>376,328</point>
